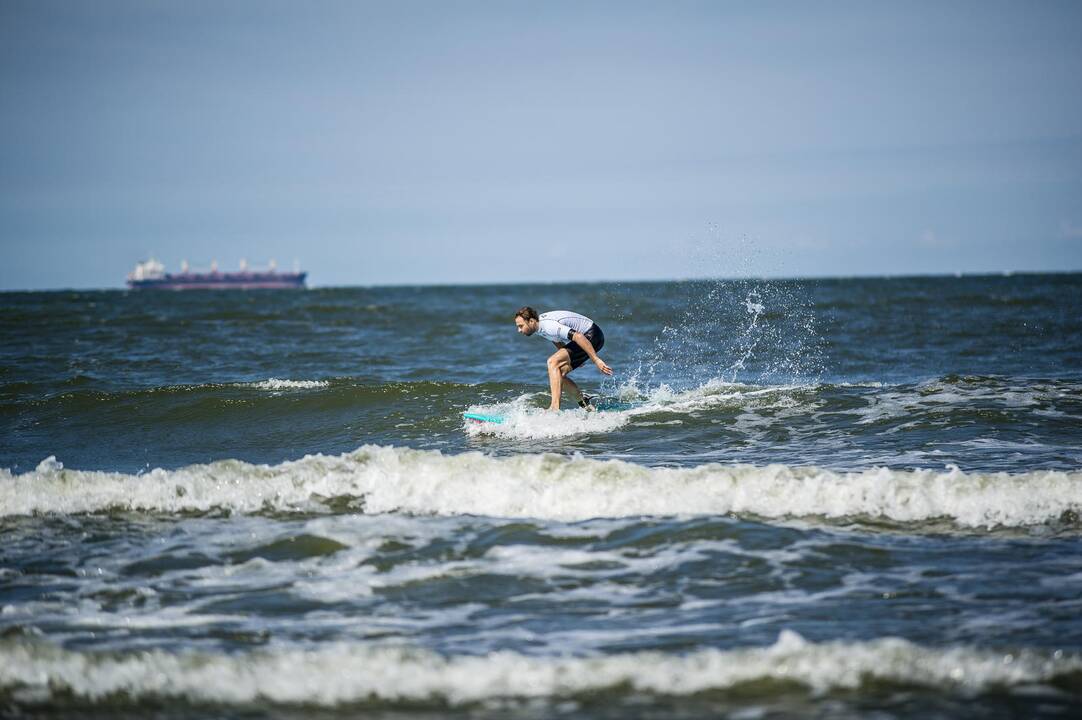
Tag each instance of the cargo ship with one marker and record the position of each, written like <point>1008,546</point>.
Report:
<point>151,275</point>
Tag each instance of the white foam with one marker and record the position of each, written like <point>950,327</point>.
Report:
<point>388,479</point>
<point>524,421</point>
<point>276,384</point>
<point>520,422</point>
<point>345,673</point>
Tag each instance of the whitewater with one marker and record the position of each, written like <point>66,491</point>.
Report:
<point>385,479</point>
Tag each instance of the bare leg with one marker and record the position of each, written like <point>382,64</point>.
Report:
<point>559,365</point>
<point>574,388</point>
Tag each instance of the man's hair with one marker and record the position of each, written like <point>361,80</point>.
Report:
<point>526,313</point>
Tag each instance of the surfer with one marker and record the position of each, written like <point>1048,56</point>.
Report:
<point>576,338</point>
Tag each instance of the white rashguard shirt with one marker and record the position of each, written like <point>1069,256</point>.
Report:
<point>558,325</point>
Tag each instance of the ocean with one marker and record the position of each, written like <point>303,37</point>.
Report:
<point>825,498</point>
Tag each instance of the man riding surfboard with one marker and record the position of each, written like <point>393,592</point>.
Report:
<point>576,338</point>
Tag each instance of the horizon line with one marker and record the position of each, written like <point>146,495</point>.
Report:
<point>708,278</point>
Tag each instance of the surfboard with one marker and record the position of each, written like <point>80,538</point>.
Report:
<point>480,418</point>
<point>600,404</point>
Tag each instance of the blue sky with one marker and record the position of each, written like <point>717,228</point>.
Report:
<point>469,142</point>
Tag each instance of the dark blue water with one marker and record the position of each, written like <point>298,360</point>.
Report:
<point>830,498</point>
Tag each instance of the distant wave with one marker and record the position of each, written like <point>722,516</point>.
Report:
<point>345,673</point>
<point>387,479</point>
<point>863,409</point>
<point>276,384</point>
<point>205,401</point>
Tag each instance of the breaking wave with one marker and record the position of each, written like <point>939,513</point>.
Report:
<point>523,419</point>
<point>375,479</point>
<point>345,673</point>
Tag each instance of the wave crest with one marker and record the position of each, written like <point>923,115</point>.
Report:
<point>387,479</point>
<point>279,384</point>
<point>344,673</point>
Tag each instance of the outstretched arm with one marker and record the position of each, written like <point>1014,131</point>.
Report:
<point>584,342</point>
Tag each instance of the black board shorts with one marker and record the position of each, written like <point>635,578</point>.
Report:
<point>578,355</point>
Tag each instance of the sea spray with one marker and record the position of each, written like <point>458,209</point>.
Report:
<point>752,331</point>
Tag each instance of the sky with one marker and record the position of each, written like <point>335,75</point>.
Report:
<point>475,142</point>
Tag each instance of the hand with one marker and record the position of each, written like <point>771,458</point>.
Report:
<point>603,367</point>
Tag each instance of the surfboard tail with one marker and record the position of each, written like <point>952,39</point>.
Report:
<point>480,418</point>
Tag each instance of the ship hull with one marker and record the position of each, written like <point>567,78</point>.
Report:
<point>223,281</point>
